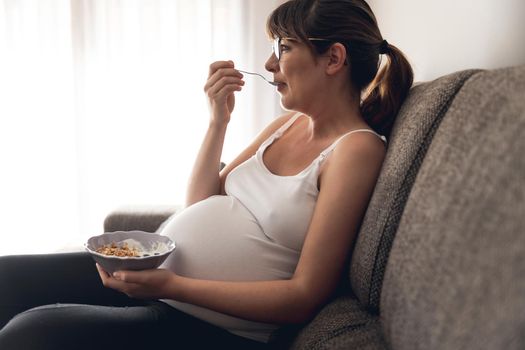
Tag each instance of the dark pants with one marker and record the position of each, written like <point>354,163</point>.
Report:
<point>58,302</point>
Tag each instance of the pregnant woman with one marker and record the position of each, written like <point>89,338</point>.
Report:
<point>262,243</point>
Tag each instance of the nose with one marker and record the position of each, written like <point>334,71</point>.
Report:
<point>272,64</point>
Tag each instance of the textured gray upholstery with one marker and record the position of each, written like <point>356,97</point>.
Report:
<point>412,133</point>
<point>455,278</point>
<point>147,219</point>
<point>342,324</point>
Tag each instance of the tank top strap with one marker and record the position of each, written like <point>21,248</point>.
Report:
<point>279,132</point>
<point>330,148</point>
<point>287,125</point>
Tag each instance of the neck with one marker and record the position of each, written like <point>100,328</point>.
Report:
<point>334,113</point>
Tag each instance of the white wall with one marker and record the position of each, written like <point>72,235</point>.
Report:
<point>443,36</point>
<point>257,95</point>
<point>102,106</point>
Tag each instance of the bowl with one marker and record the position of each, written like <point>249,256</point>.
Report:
<point>152,250</point>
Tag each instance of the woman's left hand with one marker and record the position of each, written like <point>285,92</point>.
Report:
<point>147,284</point>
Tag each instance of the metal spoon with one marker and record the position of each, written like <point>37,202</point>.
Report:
<point>268,81</point>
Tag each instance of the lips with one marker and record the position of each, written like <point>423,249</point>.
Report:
<point>281,87</point>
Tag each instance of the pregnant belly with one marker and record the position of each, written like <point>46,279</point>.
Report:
<point>219,239</point>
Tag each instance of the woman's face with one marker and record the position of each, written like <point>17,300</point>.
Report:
<point>297,73</point>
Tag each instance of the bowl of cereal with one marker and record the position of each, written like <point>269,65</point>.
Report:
<point>129,250</point>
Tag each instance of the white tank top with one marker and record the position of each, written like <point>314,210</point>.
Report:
<point>282,205</point>
<point>254,233</point>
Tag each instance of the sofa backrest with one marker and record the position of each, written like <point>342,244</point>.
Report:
<point>415,125</point>
<point>455,273</point>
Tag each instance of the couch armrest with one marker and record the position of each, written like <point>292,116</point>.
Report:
<point>143,218</point>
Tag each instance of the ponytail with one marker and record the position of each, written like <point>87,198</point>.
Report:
<point>385,94</point>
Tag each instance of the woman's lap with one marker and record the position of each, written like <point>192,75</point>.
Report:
<point>76,326</point>
<point>59,302</point>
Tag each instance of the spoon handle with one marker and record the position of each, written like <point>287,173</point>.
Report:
<point>260,75</point>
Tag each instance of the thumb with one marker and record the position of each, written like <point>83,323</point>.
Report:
<point>127,276</point>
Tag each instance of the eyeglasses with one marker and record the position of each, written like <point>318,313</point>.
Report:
<point>277,49</point>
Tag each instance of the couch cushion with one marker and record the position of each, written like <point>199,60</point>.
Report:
<point>343,324</point>
<point>455,275</point>
<point>144,218</point>
<point>415,125</point>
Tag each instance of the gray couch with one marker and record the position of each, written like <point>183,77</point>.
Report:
<point>440,258</point>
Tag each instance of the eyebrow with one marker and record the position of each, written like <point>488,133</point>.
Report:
<point>291,40</point>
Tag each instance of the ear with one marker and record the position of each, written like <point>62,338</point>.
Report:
<point>336,58</point>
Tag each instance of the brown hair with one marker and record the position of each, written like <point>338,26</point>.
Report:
<point>353,24</point>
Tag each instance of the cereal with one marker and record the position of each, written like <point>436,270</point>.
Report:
<point>114,250</point>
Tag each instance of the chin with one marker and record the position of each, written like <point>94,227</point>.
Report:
<point>284,106</point>
<point>286,103</point>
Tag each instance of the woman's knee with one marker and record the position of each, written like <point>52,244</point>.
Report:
<point>31,329</point>
<point>57,326</point>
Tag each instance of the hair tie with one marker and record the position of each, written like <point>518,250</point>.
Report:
<point>384,48</point>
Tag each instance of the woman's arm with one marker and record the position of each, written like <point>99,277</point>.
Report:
<point>223,81</point>
<point>205,179</point>
<point>347,182</point>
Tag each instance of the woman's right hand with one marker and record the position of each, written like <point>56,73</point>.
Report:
<point>223,81</point>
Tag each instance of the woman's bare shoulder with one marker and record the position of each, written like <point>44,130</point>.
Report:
<point>362,152</point>
<point>364,144</point>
